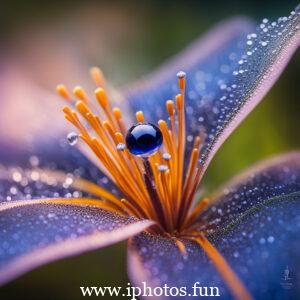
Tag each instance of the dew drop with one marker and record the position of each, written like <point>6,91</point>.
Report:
<point>162,168</point>
<point>121,146</point>
<point>143,139</point>
<point>166,156</point>
<point>181,74</point>
<point>72,138</point>
<point>236,254</point>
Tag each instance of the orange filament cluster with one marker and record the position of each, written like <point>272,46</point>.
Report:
<point>174,214</point>
<point>105,137</point>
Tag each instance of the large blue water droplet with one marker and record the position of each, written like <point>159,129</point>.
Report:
<point>143,139</point>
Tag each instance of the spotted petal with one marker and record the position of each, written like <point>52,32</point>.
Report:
<point>273,179</point>
<point>24,184</point>
<point>37,232</point>
<point>228,73</point>
<point>258,240</point>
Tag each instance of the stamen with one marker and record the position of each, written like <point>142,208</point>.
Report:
<point>97,76</point>
<point>104,103</point>
<point>108,126</point>
<point>181,78</point>
<point>132,210</point>
<point>80,94</point>
<point>171,112</point>
<point>102,98</point>
<point>181,247</point>
<point>63,92</point>
<point>167,138</point>
<point>185,205</point>
<point>118,116</point>
<point>83,108</point>
<point>195,213</point>
<point>233,282</point>
<point>181,147</point>
<point>140,117</point>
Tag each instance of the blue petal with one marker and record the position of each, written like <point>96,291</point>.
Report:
<point>24,184</point>
<point>262,245</point>
<point>254,224</point>
<point>38,232</point>
<point>228,73</point>
<point>157,261</point>
<point>54,154</point>
<point>276,177</point>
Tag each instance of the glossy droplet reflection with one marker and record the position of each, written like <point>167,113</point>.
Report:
<point>121,147</point>
<point>143,139</point>
<point>72,138</point>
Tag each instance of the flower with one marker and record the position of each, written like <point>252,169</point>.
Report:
<point>223,241</point>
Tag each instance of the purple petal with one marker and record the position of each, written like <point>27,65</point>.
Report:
<point>228,73</point>
<point>266,239</point>
<point>38,232</point>
<point>271,180</point>
<point>157,261</point>
<point>24,184</point>
<point>256,223</point>
<point>246,247</point>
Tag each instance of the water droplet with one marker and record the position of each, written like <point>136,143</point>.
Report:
<point>13,190</point>
<point>121,146</point>
<point>144,139</point>
<point>181,74</point>
<point>72,138</point>
<point>162,168</point>
<point>262,241</point>
<point>166,156</point>
<point>189,138</point>
<point>17,176</point>
<point>236,254</point>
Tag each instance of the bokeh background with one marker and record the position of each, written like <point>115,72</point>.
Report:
<point>127,39</point>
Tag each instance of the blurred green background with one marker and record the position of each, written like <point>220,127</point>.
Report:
<point>134,37</point>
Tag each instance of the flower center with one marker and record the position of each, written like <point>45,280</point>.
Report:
<point>146,162</point>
